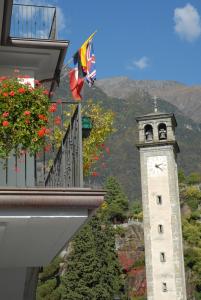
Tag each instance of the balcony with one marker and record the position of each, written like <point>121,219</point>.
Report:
<point>33,22</point>
<point>55,166</point>
<point>28,41</point>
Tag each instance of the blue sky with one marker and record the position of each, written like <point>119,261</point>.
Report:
<point>140,39</point>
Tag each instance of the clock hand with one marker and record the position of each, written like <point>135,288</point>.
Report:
<point>157,166</point>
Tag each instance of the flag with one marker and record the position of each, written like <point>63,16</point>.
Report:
<point>83,52</point>
<point>84,68</point>
<point>87,60</point>
<point>76,81</point>
<point>90,70</point>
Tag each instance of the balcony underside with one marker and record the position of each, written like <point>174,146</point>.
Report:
<point>35,224</point>
<point>41,60</point>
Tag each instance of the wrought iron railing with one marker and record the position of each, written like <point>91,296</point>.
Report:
<point>55,166</point>
<point>67,168</point>
<point>33,22</point>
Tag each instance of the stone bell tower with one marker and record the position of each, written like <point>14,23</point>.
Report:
<point>161,208</point>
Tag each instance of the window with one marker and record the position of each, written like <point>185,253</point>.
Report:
<point>160,228</point>
<point>159,199</point>
<point>162,257</point>
<point>162,131</point>
<point>164,287</point>
<point>148,133</point>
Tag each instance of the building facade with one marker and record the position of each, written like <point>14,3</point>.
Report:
<point>38,217</point>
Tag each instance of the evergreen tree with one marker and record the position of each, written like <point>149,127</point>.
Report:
<point>93,271</point>
<point>116,201</point>
<point>49,282</point>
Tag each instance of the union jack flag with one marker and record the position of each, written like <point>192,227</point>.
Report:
<point>90,62</point>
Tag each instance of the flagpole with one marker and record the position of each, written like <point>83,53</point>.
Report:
<point>89,38</point>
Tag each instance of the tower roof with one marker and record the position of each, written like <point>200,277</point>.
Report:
<point>157,115</point>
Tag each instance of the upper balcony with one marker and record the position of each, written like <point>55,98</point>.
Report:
<point>33,22</point>
<point>28,41</point>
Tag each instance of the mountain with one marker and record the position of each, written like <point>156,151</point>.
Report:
<point>185,98</point>
<point>123,161</point>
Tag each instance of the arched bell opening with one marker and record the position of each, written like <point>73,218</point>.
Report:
<point>148,133</point>
<point>162,131</point>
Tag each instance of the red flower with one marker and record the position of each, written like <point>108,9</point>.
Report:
<point>5,85</point>
<point>43,117</point>
<point>47,148</point>
<point>37,82</point>
<point>45,92</point>
<point>21,90</point>
<point>3,78</point>
<point>53,107</point>
<point>5,123</point>
<point>5,114</point>
<point>12,93</point>
<point>57,120</point>
<point>96,158</point>
<point>17,169</point>
<point>27,113</point>
<point>47,131</point>
<point>5,94</point>
<point>107,149</point>
<point>59,101</point>
<point>94,174</point>
<point>41,132</point>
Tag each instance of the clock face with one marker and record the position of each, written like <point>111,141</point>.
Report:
<point>157,165</point>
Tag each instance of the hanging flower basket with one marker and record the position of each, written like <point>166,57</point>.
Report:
<point>24,115</point>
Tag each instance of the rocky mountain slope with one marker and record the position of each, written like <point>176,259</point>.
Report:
<point>123,160</point>
<point>185,98</point>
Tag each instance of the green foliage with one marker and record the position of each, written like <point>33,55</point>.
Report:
<point>23,117</point>
<point>191,195</point>
<point>92,270</point>
<point>194,178</point>
<point>49,281</point>
<point>139,263</point>
<point>102,120</point>
<point>181,176</point>
<point>116,207</point>
<point>135,210</point>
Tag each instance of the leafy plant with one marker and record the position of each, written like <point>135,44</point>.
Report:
<point>93,146</point>
<point>24,114</point>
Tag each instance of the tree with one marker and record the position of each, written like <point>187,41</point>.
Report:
<point>92,268</point>
<point>93,146</point>
<point>194,178</point>
<point>49,282</point>
<point>181,176</point>
<point>116,203</point>
<point>191,196</point>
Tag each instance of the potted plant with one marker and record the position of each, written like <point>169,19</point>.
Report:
<point>24,115</point>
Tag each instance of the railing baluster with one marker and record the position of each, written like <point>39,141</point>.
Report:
<point>31,21</point>
<point>66,170</point>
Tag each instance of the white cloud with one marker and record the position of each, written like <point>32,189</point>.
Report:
<point>141,63</point>
<point>187,23</point>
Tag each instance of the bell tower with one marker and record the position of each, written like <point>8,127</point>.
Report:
<point>161,208</point>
